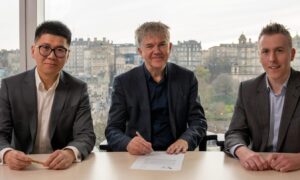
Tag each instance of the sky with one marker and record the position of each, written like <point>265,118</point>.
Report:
<point>210,22</point>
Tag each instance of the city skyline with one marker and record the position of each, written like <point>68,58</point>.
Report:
<point>195,20</point>
<point>234,41</point>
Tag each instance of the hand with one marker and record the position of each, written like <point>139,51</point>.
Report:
<point>139,146</point>
<point>284,162</point>
<point>251,160</point>
<point>60,159</point>
<point>179,146</point>
<point>16,160</point>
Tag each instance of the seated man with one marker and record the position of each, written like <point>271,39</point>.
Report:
<point>45,109</point>
<point>267,113</point>
<point>155,106</point>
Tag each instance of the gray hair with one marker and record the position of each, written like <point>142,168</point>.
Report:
<point>153,28</point>
<point>276,28</point>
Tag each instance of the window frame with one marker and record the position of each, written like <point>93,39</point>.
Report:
<point>31,13</point>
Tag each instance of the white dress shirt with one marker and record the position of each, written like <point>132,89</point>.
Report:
<point>45,99</point>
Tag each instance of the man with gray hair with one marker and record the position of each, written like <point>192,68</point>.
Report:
<point>155,106</point>
<point>267,113</point>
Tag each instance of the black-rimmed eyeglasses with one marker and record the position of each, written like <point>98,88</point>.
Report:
<point>45,50</point>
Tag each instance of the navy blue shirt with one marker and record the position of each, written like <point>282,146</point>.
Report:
<point>161,134</point>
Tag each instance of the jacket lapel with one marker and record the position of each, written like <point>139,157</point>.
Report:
<point>30,100</point>
<point>291,99</point>
<point>144,104</point>
<point>61,93</point>
<point>263,114</point>
<point>173,90</point>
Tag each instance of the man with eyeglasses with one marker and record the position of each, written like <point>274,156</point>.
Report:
<point>45,110</point>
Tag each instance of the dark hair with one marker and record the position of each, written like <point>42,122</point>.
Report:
<point>54,28</point>
<point>154,28</point>
<point>276,28</point>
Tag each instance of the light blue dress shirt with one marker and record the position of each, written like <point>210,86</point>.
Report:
<point>276,107</point>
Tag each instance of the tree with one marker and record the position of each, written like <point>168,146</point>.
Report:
<point>217,66</point>
<point>204,88</point>
<point>225,89</point>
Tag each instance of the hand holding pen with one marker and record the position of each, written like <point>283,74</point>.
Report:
<point>139,146</point>
<point>139,135</point>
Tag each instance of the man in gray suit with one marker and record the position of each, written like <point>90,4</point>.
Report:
<point>155,106</point>
<point>267,113</point>
<point>45,110</point>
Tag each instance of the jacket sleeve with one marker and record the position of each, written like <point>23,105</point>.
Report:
<point>83,131</point>
<point>5,118</point>
<point>117,118</point>
<point>238,132</point>
<point>196,121</point>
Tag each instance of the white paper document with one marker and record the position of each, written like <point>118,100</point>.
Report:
<point>160,161</point>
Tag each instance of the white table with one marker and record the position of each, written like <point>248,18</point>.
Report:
<point>116,166</point>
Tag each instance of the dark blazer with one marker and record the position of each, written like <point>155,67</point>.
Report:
<point>70,119</point>
<point>251,119</point>
<point>130,108</point>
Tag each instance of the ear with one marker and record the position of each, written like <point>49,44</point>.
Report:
<point>293,53</point>
<point>32,50</point>
<point>139,51</point>
<point>68,55</point>
<point>170,46</point>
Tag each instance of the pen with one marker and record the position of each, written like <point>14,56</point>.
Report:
<point>36,161</point>
<point>139,135</point>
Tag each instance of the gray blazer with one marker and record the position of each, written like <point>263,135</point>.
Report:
<point>130,108</point>
<point>70,119</point>
<point>251,119</point>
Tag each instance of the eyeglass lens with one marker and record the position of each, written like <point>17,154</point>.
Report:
<point>59,52</point>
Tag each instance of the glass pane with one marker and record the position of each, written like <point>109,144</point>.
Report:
<point>215,39</point>
<point>9,35</point>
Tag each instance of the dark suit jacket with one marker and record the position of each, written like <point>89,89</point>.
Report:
<point>251,119</point>
<point>130,108</point>
<point>70,119</point>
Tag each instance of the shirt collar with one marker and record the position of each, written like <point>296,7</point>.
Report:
<point>148,75</point>
<point>284,85</point>
<point>40,85</point>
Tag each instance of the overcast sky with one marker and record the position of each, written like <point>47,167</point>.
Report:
<point>212,22</point>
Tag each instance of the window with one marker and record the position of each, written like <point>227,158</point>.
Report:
<point>224,34</point>
<point>9,35</point>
